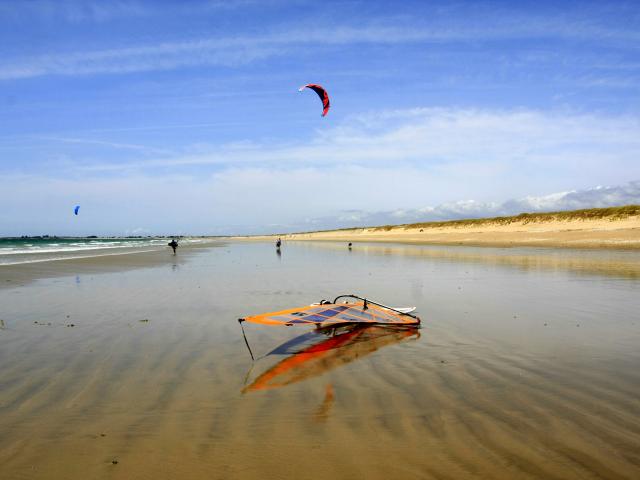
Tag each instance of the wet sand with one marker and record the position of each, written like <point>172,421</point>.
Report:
<point>526,367</point>
<point>614,233</point>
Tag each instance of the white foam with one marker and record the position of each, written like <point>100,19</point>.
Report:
<point>33,253</point>
<point>55,259</point>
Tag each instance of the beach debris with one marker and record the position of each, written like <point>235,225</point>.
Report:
<point>144,320</point>
<point>70,325</point>
<point>114,461</point>
<point>1,324</point>
<point>322,93</point>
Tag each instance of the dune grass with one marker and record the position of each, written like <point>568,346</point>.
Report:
<point>610,213</point>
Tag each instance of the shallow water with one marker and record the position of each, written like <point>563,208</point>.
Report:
<point>26,250</point>
<point>526,367</point>
<point>16,251</point>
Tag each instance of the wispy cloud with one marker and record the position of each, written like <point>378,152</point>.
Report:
<point>114,145</point>
<point>444,141</point>
<point>98,11</point>
<point>242,49</point>
<point>163,56</point>
<point>73,11</point>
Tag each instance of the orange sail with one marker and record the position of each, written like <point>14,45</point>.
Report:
<point>334,313</point>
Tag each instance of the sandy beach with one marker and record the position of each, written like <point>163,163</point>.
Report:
<point>134,366</point>
<point>340,240</point>
<point>617,233</point>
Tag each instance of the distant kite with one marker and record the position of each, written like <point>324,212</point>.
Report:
<point>75,210</point>
<point>322,93</point>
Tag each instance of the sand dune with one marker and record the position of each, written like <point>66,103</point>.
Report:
<point>608,232</point>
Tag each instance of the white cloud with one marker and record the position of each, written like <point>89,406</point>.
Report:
<point>596,197</point>
<point>443,140</point>
<point>387,162</point>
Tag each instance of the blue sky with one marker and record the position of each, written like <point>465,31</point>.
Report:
<point>184,117</point>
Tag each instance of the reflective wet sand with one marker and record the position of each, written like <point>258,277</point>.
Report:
<point>526,367</point>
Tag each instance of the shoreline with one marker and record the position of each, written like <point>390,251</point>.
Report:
<point>19,274</point>
<point>600,233</point>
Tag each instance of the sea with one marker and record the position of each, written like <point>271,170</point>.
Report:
<point>18,250</point>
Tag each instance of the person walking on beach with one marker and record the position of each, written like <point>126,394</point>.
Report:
<point>173,244</point>
<point>278,243</point>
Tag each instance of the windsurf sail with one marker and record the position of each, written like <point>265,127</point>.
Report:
<point>331,313</point>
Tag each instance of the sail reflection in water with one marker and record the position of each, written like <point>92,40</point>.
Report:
<point>314,353</point>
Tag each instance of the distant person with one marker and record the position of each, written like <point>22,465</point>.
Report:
<point>173,244</point>
<point>350,245</point>
<point>278,243</point>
